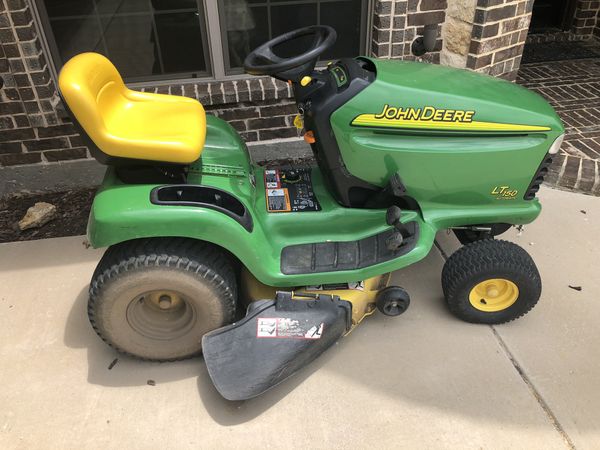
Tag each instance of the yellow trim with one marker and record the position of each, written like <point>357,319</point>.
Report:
<point>305,81</point>
<point>369,120</point>
<point>493,295</point>
<point>363,301</point>
<point>130,124</point>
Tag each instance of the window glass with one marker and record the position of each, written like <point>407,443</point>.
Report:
<point>145,39</point>
<point>245,24</point>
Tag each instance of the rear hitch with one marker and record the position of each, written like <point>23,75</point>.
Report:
<point>275,340</point>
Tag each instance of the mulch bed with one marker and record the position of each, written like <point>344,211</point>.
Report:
<point>73,208</point>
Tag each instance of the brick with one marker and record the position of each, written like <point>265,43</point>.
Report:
<point>243,91</point>
<point>14,5</point>
<point>76,141</point>
<point>6,123</point>
<point>37,145</point>
<point>15,159</point>
<point>26,33</point>
<point>10,108</point>
<point>10,147</point>
<point>485,31</point>
<point>432,5</point>
<point>249,136</point>
<point>6,35</point>
<point>229,92</point>
<point>277,133</point>
<point>426,18</point>
<point>22,17</point>
<point>266,122</point>
<point>279,110</point>
<point>21,120</point>
<point>239,113</point>
<point>381,22</point>
<point>588,175</point>
<point>239,125</point>
<point>17,134</point>
<point>508,53</point>
<point>4,21</point>
<point>67,154</point>
<point>11,50</point>
<point>383,7</point>
<point>381,35</point>
<point>45,91</point>
<point>489,3</point>
<point>22,80</point>
<point>569,177</point>
<point>26,94</point>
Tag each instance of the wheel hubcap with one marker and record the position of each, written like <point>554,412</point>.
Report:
<point>495,294</point>
<point>162,315</point>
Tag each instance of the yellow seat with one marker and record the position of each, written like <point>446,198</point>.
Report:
<point>128,124</point>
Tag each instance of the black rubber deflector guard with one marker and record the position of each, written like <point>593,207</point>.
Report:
<point>274,340</point>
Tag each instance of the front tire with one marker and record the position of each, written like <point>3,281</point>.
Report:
<point>490,281</point>
<point>155,298</point>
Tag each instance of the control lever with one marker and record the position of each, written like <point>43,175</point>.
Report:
<point>392,218</point>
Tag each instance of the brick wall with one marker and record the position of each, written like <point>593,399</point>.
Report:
<point>396,24</point>
<point>586,12</point>
<point>499,33</point>
<point>33,130</point>
<point>597,28</point>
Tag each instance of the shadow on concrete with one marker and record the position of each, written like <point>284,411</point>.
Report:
<point>425,358</point>
<point>230,413</point>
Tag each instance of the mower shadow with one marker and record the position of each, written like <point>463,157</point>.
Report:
<point>132,372</point>
<point>230,413</point>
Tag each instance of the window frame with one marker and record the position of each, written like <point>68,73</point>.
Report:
<point>213,47</point>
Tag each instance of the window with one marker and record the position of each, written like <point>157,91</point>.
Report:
<point>245,24</point>
<point>169,39</point>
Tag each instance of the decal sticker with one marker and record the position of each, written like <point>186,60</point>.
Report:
<point>432,118</point>
<point>290,190</point>
<point>286,328</point>
<point>504,192</point>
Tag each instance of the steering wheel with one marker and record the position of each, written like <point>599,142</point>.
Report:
<point>264,61</point>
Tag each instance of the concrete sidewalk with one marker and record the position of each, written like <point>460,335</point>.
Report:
<point>423,380</point>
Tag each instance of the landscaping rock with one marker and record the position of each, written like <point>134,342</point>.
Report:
<point>37,216</point>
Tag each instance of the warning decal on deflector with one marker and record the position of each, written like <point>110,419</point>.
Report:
<point>286,328</point>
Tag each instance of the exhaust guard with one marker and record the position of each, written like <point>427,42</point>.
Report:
<point>275,339</point>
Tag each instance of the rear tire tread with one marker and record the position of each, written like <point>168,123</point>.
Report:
<point>204,259</point>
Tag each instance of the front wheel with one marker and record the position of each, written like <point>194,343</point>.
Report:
<point>490,281</point>
<point>155,298</point>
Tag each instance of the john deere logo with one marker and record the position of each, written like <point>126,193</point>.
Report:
<point>425,114</point>
<point>504,192</point>
<point>436,119</point>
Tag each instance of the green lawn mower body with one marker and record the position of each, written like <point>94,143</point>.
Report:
<point>454,174</point>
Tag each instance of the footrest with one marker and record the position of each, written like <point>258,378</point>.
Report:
<point>321,257</point>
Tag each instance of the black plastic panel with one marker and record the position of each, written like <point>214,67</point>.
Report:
<point>538,179</point>
<point>322,257</point>
<point>202,197</point>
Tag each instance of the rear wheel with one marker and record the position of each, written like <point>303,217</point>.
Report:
<point>156,298</point>
<point>490,282</point>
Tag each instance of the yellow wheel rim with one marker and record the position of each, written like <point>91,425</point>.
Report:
<point>495,294</point>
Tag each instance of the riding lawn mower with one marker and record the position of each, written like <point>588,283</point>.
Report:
<point>261,269</point>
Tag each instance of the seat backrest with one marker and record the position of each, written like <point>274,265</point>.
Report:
<point>87,81</point>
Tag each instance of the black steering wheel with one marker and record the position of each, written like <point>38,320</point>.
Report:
<point>264,61</point>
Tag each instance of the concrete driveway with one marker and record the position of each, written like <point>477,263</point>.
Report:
<point>422,380</point>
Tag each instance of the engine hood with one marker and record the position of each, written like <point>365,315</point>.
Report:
<point>428,97</point>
